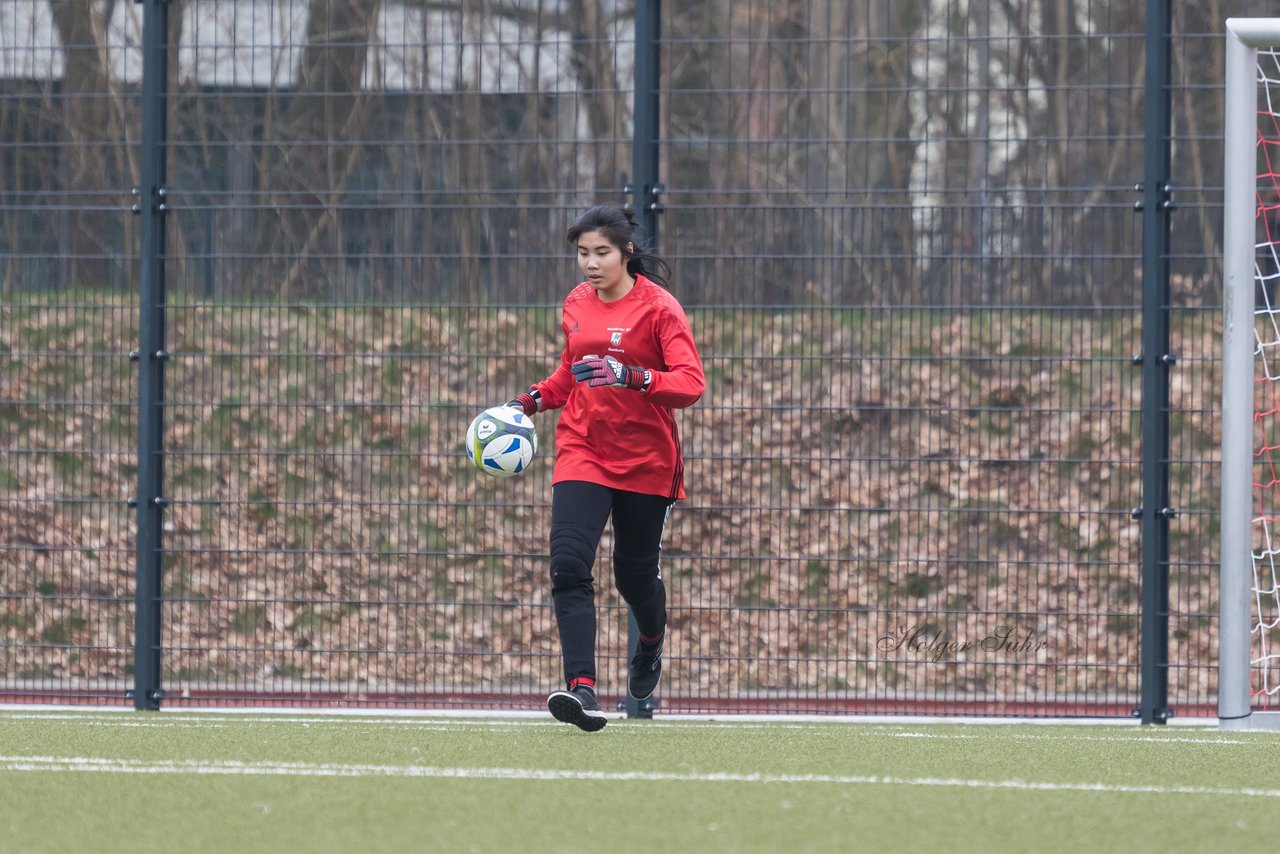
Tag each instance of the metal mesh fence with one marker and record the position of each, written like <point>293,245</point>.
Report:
<point>905,237</point>
<point>67,322</point>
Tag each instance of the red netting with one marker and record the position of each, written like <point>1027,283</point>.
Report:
<point>1266,590</point>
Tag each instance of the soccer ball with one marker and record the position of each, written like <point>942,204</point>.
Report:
<point>501,441</point>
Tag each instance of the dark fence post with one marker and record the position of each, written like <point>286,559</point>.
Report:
<point>644,153</point>
<point>647,192</point>
<point>151,354</point>
<point>1157,362</point>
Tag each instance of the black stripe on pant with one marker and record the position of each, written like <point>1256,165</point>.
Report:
<point>579,511</point>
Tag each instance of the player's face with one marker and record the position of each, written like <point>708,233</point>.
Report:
<point>603,265</point>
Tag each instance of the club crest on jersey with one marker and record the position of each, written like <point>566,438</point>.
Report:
<point>615,339</point>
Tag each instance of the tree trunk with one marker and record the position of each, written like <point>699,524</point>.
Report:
<point>322,127</point>
<point>607,110</point>
<point>88,121</point>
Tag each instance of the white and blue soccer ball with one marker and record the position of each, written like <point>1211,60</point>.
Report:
<point>501,441</point>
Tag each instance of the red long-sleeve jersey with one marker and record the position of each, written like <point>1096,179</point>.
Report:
<point>618,437</point>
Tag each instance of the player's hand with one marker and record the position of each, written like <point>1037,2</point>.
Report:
<point>529,403</point>
<point>608,371</point>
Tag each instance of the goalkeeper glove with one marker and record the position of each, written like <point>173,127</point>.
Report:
<point>595,371</point>
<point>530,402</point>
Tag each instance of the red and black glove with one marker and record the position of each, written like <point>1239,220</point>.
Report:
<point>608,371</point>
<point>530,402</point>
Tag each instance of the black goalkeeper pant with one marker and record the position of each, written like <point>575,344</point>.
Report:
<point>579,511</point>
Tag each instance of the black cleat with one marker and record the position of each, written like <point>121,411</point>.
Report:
<point>578,707</point>
<point>645,670</point>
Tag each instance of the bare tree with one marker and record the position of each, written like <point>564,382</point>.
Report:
<point>93,128</point>
<point>321,140</point>
<point>1064,179</point>
<point>851,74</point>
<point>608,115</point>
<point>1198,165</point>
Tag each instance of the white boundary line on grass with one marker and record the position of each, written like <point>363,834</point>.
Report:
<point>882,728</point>
<point>80,764</point>
<point>285,712</point>
<point>878,730</point>
<point>443,719</point>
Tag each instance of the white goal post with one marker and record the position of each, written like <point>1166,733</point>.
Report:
<point>1249,640</point>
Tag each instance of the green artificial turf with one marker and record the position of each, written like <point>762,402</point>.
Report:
<point>183,781</point>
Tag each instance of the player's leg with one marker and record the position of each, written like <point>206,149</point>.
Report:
<point>578,514</point>
<point>638,524</point>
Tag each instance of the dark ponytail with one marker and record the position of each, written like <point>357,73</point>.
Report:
<point>618,225</point>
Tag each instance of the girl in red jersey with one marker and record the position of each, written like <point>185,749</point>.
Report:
<point>629,360</point>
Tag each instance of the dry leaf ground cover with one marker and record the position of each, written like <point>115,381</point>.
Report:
<point>883,503</point>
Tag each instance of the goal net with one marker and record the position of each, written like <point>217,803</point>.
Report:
<point>1249,648</point>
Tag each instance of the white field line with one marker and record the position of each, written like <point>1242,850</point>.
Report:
<point>1206,724</point>
<point>81,764</point>
<point>173,720</point>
